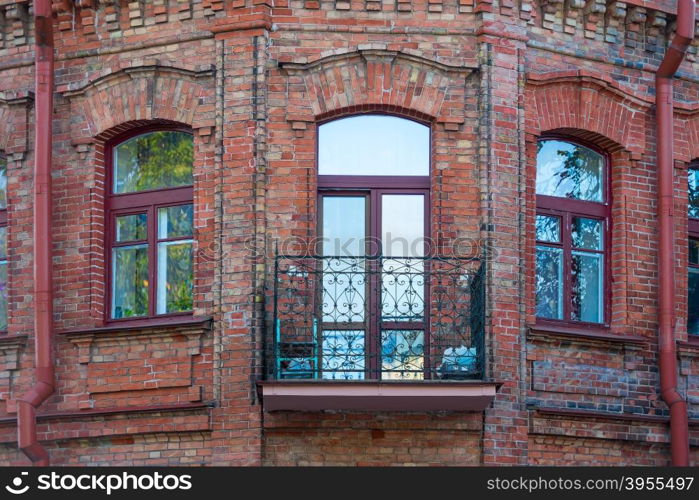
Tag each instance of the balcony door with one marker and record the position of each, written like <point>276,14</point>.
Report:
<point>372,302</point>
<point>373,180</point>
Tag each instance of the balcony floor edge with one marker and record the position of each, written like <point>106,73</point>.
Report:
<point>319,395</point>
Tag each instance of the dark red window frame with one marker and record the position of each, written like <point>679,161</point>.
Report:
<point>566,209</point>
<point>148,202</point>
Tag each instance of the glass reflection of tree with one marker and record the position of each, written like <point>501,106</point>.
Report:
<point>156,160</point>
<point>548,283</point>
<point>179,278</point>
<point>131,287</point>
<point>579,171</point>
<point>694,192</point>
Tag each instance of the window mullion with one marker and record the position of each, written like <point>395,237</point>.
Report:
<point>567,267</point>
<point>152,259</point>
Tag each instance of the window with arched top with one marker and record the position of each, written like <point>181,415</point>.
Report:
<point>693,231</point>
<point>374,180</point>
<point>3,243</point>
<point>150,224</point>
<point>572,227</point>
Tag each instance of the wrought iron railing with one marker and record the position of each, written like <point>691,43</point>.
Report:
<point>388,318</point>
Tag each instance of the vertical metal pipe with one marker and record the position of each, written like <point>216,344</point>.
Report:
<point>679,429</point>
<point>43,293</point>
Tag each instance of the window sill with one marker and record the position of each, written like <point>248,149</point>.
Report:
<point>319,395</point>
<point>582,333</point>
<point>144,325</point>
<point>691,344</point>
<point>12,341</point>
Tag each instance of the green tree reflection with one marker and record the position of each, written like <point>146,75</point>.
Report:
<point>155,160</point>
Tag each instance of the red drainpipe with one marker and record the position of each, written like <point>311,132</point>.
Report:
<point>43,293</point>
<point>679,428</point>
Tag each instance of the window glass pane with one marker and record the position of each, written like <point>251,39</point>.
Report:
<point>569,171</point>
<point>373,145</point>
<point>344,225</point>
<point>694,192</point>
<point>344,278</point>
<point>403,280</point>
<point>549,282</point>
<point>131,228</point>
<point>587,233</point>
<point>694,251</point>
<point>402,354</point>
<point>130,281</point>
<point>342,354</point>
<point>693,302</point>
<point>3,184</point>
<point>587,287</point>
<point>156,160</point>
<point>548,228</point>
<point>175,278</point>
<point>175,222</point>
<point>403,225</point>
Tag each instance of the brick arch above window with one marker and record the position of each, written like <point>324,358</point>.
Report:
<point>367,80</point>
<point>610,119</point>
<point>153,93</point>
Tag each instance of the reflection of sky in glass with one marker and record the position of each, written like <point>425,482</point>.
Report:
<point>569,171</point>
<point>549,279</point>
<point>588,304</point>
<point>373,145</point>
<point>548,228</point>
<point>587,233</point>
<point>344,225</point>
<point>343,354</point>
<point>403,224</point>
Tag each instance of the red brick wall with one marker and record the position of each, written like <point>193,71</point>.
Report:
<point>348,439</point>
<point>252,79</point>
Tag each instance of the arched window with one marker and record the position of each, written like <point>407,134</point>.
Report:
<point>3,243</point>
<point>693,271</point>
<point>572,227</point>
<point>374,179</point>
<point>150,224</point>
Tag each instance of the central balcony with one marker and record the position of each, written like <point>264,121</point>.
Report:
<point>376,332</point>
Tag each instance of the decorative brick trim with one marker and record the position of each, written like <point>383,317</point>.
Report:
<point>584,105</point>
<point>374,76</point>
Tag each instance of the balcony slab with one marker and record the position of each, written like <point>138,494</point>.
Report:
<point>319,395</point>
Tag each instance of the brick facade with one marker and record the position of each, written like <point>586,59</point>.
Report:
<point>252,78</point>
